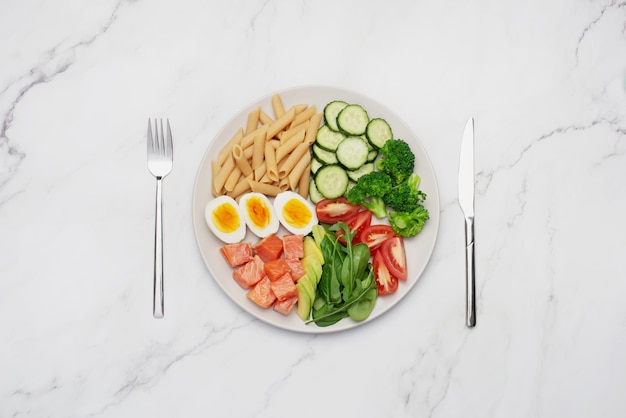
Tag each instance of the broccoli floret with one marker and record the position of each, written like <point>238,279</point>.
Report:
<point>409,224</point>
<point>405,197</point>
<point>369,192</point>
<point>397,160</point>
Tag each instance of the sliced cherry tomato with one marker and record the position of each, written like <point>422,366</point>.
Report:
<point>358,222</point>
<point>394,257</point>
<point>330,211</point>
<point>375,235</point>
<point>385,282</point>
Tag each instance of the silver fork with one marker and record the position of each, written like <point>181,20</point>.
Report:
<point>160,155</point>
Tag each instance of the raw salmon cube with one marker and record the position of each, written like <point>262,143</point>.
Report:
<point>293,246</point>
<point>285,306</point>
<point>262,294</point>
<point>296,267</point>
<point>237,254</point>
<point>276,268</point>
<point>284,287</point>
<point>259,262</point>
<point>248,275</point>
<point>269,248</point>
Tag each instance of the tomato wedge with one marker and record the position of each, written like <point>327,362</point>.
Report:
<point>330,211</point>
<point>385,282</point>
<point>394,256</point>
<point>358,222</point>
<point>375,235</point>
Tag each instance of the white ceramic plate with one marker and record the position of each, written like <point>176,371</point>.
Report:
<point>418,248</point>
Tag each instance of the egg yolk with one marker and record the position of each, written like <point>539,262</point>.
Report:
<point>226,218</point>
<point>296,213</point>
<point>258,211</point>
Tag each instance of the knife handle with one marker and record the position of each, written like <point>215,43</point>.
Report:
<point>470,282</point>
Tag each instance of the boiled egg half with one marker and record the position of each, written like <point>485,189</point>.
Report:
<point>295,213</point>
<point>259,214</point>
<point>223,217</point>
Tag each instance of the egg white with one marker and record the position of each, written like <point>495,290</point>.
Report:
<point>259,231</point>
<point>228,237</point>
<point>279,203</point>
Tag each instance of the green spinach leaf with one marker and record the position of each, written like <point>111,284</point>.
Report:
<point>347,287</point>
<point>363,307</point>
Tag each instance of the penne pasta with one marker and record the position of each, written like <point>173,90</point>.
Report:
<point>260,171</point>
<point>241,161</point>
<point>291,132</point>
<point>258,149</point>
<point>285,149</point>
<point>240,188</point>
<point>253,120</point>
<point>304,116</point>
<point>311,131</point>
<point>303,183</point>
<point>298,153</point>
<point>265,179</point>
<point>269,155</point>
<point>215,169</point>
<point>296,173</point>
<point>265,119</point>
<point>270,162</point>
<point>266,189</point>
<point>283,184</point>
<point>274,143</point>
<point>279,124</point>
<point>222,175</point>
<point>232,179</point>
<point>247,153</point>
<point>223,154</point>
<point>299,108</point>
<point>248,139</point>
<point>277,106</point>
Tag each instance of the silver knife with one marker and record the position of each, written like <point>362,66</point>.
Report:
<point>466,201</point>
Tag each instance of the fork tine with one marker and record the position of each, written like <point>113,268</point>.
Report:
<point>162,143</point>
<point>155,140</point>
<point>155,136</point>
<point>150,144</point>
<point>168,142</point>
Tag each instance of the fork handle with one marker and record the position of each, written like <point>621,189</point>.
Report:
<point>158,303</point>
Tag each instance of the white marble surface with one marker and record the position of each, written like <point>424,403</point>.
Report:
<point>546,82</point>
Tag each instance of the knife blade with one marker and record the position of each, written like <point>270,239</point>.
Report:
<point>466,202</point>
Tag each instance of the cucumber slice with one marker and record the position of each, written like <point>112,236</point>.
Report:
<point>378,132</point>
<point>315,165</point>
<point>314,194</point>
<point>359,172</point>
<point>328,139</point>
<point>353,120</point>
<point>372,152</point>
<point>331,181</point>
<point>369,146</point>
<point>352,152</point>
<point>326,157</point>
<point>331,110</point>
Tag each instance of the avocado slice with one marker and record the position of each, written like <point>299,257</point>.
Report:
<point>311,248</point>
<point>304,301</point>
